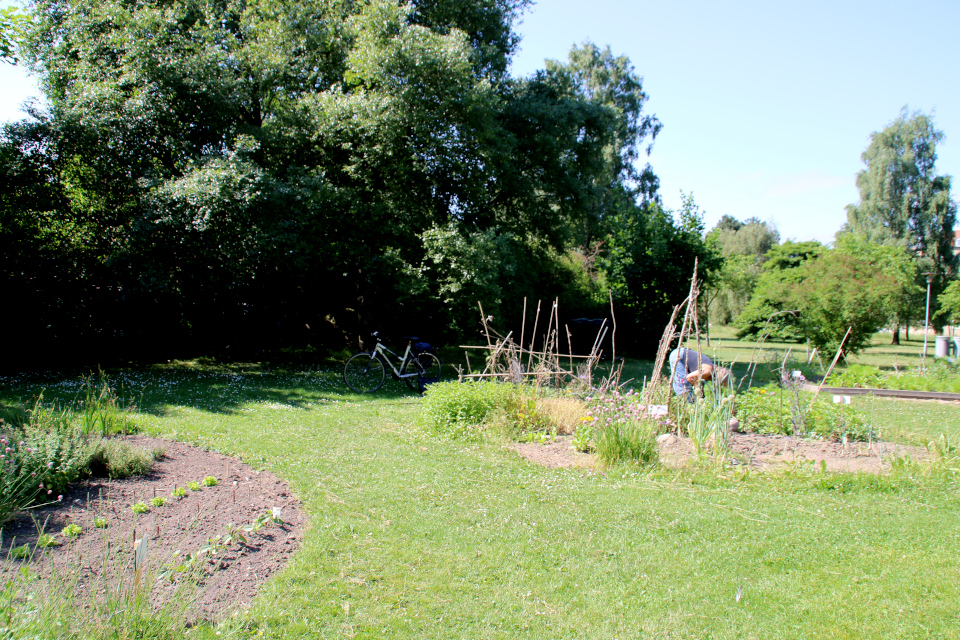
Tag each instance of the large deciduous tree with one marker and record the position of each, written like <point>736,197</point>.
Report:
<point>272,172</point>
<point>743,246</point>
<point>903,200</point>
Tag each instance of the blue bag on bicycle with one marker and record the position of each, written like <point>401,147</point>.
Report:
<point>420,347</point>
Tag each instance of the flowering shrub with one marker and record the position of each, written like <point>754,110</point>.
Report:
<point>36,466</point>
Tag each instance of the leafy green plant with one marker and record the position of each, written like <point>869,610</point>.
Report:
<point>20,553</point>
<point>467,410</point>
<point>179,492</point>
<point>140,507</point>
<point>45,540</point>
<point>857,375</point>
<point>210,481</point>
<point>582,439</point>
<point>194,485</point>
<point>100,522</point>
<point>71,531</point>
<point>158,501</point>
<point>767,410</point>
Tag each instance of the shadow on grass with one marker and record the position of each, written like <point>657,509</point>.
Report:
<point>226,389</point>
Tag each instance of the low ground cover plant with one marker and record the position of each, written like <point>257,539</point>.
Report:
<point>938,375</point>
<point>778,410</point>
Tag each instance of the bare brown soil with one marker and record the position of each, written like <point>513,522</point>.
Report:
<point>748,449</point>
<point>99,558</point>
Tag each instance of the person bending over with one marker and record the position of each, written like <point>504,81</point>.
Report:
<point>687,368</point>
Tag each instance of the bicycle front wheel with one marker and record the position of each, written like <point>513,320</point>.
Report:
<point>426,365</point>
<point>364,373</point>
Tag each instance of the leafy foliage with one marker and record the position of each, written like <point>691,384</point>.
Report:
<point>837,292</point>
<point>769,310</point>
<point>768,410</point>
<point>902,199</point>
<point>227,176</point>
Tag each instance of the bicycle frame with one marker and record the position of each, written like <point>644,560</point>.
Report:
<point>379,350</point>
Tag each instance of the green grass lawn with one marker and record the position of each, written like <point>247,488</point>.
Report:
<point>412,536</point>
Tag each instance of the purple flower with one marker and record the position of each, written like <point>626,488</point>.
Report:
<point>49,465</point>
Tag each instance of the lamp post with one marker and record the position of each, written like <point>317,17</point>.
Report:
<point>926,324</point>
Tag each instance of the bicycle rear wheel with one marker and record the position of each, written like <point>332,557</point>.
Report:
<point>426,365</point>
<point>364,373</point>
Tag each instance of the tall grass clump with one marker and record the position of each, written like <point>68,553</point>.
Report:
<point>100,412</point>
<point>619,429</point>
<point>707,420</point>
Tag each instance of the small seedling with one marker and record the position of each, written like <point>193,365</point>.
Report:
<point>46,540</point>
<point>100,523</point>
<point>71,531</point>
<point>20,553</point>
<point>158,501</point>
<point>194,486</point>
<point>179,492</point>
<point>209,481</point>
<point>140,507</point>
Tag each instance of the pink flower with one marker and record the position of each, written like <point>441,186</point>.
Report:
<point>59,498</point>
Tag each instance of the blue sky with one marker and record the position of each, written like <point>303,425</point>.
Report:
<point>766,106</point>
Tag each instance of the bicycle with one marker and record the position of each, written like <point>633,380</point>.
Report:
<point>366,371</point>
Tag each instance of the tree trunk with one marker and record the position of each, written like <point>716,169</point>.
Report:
<point>896,334</point>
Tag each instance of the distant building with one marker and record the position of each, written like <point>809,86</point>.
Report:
<point>956,242</point>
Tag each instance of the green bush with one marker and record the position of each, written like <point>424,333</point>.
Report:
<point>859,376</point>
<point>118,459</point>
<point>465,410</point>
<point>776,411</point>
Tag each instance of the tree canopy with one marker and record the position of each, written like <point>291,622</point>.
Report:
<point>218,175</point>
<point>902,198</point>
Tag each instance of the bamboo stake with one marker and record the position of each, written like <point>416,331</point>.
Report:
<point>523,324</point>
<point>832,364</point>
<point>533,334</point>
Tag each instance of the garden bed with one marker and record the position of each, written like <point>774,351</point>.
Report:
<point>751,450</point>
<point>102,556</point>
